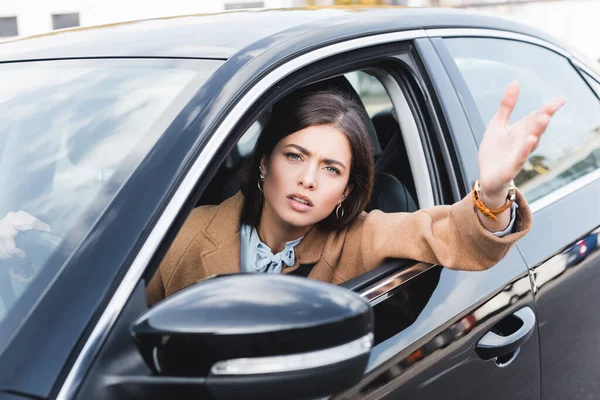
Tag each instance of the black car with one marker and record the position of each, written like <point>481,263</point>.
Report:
<point>113,134</point>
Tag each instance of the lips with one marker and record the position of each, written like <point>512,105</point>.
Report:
<point>299,202</point>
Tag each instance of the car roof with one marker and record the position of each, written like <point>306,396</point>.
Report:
<point>219,36</point>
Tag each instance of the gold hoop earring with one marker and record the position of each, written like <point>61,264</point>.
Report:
<point>261,179</point>
<point>339,211</point>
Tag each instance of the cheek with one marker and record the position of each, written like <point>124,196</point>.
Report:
<point>334,191</point>
<point>278,175</point>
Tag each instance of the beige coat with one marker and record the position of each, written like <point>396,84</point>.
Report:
<point>209,244</point>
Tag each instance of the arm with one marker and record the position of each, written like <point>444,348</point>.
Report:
<point>451,236</point>
<point>460,236</point>
<point>505,149</point>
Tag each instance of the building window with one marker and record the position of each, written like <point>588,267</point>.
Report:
<point>244,4</point>
<point>60,21</point>
<point>8,27</point>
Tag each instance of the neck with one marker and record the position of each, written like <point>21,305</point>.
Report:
<point>275,233</point>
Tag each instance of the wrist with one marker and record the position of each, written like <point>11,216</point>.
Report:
<point>494,200</point>
<point>497,197</point>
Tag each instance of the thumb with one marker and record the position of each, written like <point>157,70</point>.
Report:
<point>8,249</point>
<point>16,252</point>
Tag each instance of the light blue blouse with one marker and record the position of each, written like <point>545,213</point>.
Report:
<point>255,256</point>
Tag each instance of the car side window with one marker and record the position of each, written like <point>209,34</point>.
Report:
<point>570,148</point>
<point>371,92</point>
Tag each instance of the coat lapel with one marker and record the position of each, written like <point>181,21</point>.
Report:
<point>310,249</point>
<point>224,232</point>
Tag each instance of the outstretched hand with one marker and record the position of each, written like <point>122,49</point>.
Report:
<point>506,148</point>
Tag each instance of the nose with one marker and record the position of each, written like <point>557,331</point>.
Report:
<point>308,177</point>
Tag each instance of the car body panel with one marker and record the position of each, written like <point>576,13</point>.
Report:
<point>567,292</point>
<point>231,33</point>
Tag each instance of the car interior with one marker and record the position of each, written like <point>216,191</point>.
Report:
<point>394,187</point>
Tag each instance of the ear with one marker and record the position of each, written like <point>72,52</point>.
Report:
<point>263,165</point>
<point>347,192</point>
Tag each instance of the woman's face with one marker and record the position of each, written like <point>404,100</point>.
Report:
<point>306,176</point>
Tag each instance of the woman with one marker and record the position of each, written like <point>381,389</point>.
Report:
<point>310,177</point>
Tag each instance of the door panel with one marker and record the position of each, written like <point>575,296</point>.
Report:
<point>568,320</point>
<point>568,293</point>
<point>442,361</point>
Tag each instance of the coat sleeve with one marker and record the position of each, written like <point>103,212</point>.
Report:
<point>452,236</point>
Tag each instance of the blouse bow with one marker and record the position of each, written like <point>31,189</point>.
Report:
<point>266,261</point>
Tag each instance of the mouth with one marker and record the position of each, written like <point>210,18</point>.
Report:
<point>300,199</point>
<point>299,202</point>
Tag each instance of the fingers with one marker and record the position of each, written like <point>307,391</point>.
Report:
<point>8,248</point>
<point>10,227</point>
<point>507,104</point>
<point>527,147</point>
<point>23,221</point>
<point>551,107</point>
<point>539,121</point>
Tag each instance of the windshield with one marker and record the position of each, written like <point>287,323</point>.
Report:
<point>70,130</point>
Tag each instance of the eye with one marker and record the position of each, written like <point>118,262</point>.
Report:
<point>332,170</point>
<point>293,156</point>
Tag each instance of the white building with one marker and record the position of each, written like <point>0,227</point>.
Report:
<point>30,17</point>
<point>573,21</point>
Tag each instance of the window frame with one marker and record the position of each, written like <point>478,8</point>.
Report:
<point>594,84</point>
<point>401,79</point>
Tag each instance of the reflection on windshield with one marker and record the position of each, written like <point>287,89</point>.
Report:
<point>71,133</point>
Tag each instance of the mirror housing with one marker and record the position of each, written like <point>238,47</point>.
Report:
<point>259,336</point>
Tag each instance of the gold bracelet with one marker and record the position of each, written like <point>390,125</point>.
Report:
<point>485,210</point>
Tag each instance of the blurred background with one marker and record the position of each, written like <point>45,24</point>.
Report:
<point>573,21</point>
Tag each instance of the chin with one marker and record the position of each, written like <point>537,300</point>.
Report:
<point>299,220</point>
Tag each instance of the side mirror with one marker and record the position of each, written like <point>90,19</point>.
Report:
<point>257,336</point>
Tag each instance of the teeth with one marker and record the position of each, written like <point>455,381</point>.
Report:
<point>300,200</point>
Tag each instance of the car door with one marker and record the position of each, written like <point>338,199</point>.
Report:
<point>432,323</point>
<point>561,182</point>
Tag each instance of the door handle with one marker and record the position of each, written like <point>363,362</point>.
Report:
<point>508,335</point>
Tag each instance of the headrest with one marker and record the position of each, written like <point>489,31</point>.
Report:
<point>386,125</point>
<point>340,83</point>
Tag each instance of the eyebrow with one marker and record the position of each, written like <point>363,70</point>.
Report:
<point>307,153</point>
